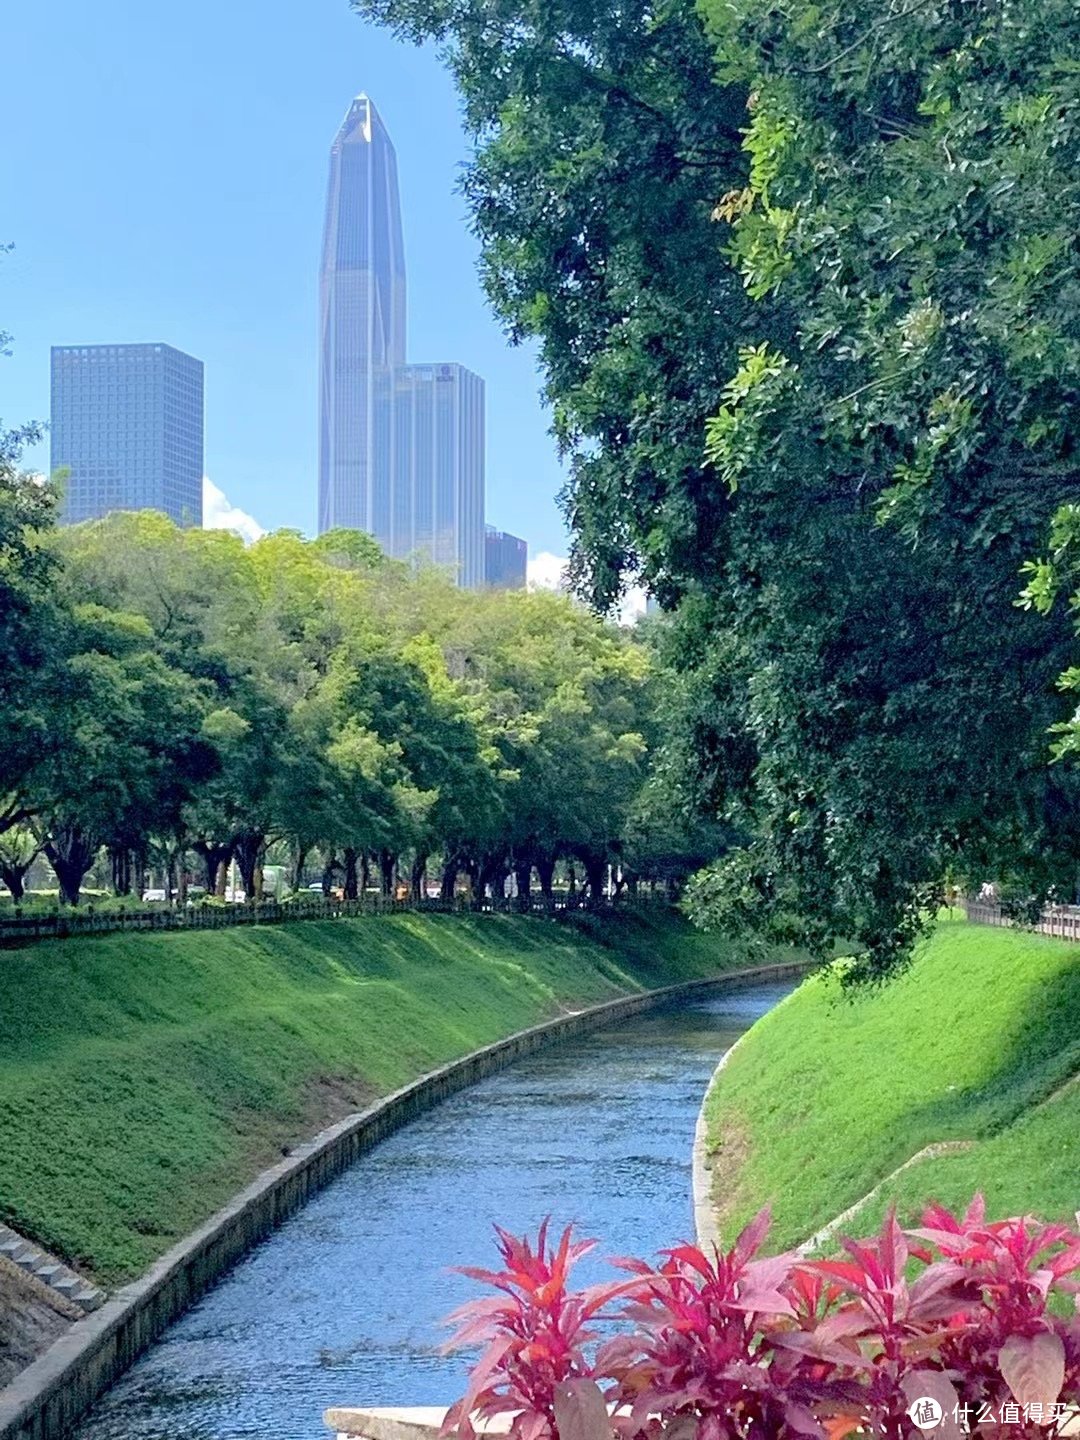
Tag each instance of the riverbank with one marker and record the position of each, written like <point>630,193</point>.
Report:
<point>145,1079</point>
<point>969,1057</point>
<point>346,1297</point>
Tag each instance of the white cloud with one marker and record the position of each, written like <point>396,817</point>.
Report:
<point>218,514</point>
<point>548,572</point>
<point>632,605</point>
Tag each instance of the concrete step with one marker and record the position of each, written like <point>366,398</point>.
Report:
<point>59,1277</point>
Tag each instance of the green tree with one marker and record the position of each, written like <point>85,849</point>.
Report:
<point>897,435</point>
<point>122,728</point>
<point>856,253</point>
<point>565,701</point>
<point>27,637</point>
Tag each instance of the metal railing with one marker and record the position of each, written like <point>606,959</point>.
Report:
<point>21,927</point>
<point>1061,921</point>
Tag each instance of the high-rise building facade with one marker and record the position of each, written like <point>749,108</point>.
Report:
<point>401,447</point>
<point>506,560</point>
<point>127,424</point>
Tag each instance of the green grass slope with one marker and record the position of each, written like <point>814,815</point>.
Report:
<point>145,1078</point>
<point>825,1097</point>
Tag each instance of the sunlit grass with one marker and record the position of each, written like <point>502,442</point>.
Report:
<point>826,1096</point>
<point>145,1078</point>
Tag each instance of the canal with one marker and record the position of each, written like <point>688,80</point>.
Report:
<point>342,1305</point>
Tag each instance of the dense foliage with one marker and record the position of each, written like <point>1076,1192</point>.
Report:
<point>804,283</point>
<point>186,699</point>
<point>733,1345</point>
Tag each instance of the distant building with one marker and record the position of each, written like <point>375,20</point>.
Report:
<point>127,422</point>
<point>436,491</point>
<point>506,560</point>
<point>401,447</point>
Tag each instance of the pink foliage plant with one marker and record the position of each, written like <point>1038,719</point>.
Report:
<point>978,1317</point>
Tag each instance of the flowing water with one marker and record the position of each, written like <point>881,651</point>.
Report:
<point>342,1305</point>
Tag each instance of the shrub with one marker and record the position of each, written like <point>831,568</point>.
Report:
<point>536,1334</point>
<point>978,1317</point>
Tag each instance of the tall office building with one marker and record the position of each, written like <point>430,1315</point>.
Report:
<point>401,447</point>
<point>127,423</point>
<point>506,560</point>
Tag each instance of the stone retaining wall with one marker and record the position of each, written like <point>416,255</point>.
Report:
<point>47,1399</point>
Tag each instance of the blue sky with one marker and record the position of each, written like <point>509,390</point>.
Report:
<point>163,169</point>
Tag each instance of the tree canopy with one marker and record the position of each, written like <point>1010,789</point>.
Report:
<point>804,283</point>
<point>200,698</point>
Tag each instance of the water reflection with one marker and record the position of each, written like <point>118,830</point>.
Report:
<point>342,1305</point>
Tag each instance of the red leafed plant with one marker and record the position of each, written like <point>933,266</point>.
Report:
<point>738,1347</point>
<point>703,1350</point>
<point>535,1331</point>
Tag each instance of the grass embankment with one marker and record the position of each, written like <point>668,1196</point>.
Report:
<point>826,1097</point>
<point>145,1078</point>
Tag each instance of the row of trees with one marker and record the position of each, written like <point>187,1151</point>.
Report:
<point>170,694</point>
<point>805,285</point>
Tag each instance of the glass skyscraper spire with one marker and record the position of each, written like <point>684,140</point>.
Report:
<point>401,447</point>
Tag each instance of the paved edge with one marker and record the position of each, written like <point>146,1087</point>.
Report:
<point>47,1399</point>
<point>705,1226</point>
<point>417,1422</point>
<point>928,1152</point>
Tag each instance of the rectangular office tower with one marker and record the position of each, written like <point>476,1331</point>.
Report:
<point>506,560</point>
<point>127,423</point>
<point>401,447</point>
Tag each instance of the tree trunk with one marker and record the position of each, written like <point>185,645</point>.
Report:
<point>522,881</point>
<point>249,847</point>
<point>365,873</point>
<point>71,853</point>
<point>299,856</point>
<point>181,871</point>
<point>120,858</point>
<point>328,875</point>
<point>493,876</point>
<point>449,878</point>
<point>545,872</point>
<point>350,857</point>
<point>595,867</point>
<point>215,859</point>
<point>14,877</point>
<point>387,865</point>
<point>418,877</point>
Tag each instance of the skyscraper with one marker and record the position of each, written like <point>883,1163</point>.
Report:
<point>401,447</point>
<point>127,423</point>
<point>506,560</point>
